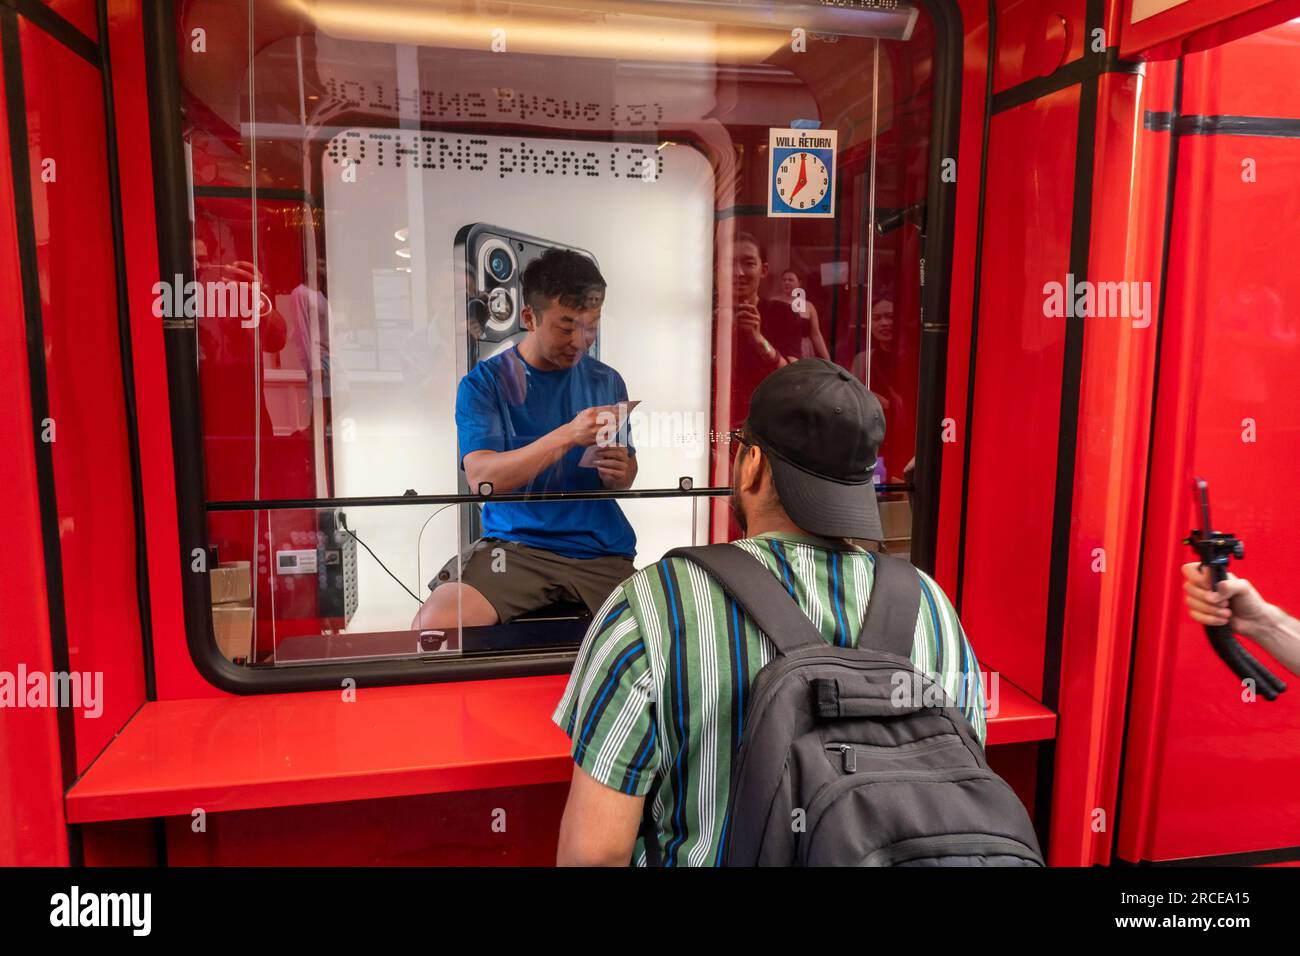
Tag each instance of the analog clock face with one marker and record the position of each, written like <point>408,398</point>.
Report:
<point>802,180</point>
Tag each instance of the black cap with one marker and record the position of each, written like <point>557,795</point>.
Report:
<point>821,429</point>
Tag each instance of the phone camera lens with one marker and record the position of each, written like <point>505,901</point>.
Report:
<point>499,305</point>
<point>499,265</point>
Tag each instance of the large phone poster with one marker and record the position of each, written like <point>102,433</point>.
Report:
<point>395,202</point>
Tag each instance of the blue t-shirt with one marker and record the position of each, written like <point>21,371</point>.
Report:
<point>504,404</point>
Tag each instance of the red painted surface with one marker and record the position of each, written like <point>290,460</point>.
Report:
<point>261,765</point>
<point>74,248</point>
<point>1110,474</point>
<point>975,57</point>
<point>514,826</point>
<point>80,13</point>
<point>1018,385</point>
<point>1017,764</point>
<point>289,749</point>
<point>1221,82</point>
<point>120,843</point>
<point>1036,37</point>
<point>31,805</point>
<point>293,749</point>
<point>1243,25</point>
<point>1193,16</point>
<point>175,673</point>
<point>1207,773</point>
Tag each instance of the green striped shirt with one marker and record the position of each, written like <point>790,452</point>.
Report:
<point>655,706</point>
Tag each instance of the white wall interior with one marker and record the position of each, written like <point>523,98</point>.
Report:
<point>397,337</point>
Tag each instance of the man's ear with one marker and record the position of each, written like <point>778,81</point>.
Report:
<point>528,318</point>
<point>752,470</point>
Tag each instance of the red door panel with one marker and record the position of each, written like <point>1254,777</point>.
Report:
<point>74,248</point>
<point>1018,386</point>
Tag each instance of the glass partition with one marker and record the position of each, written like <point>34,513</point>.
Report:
<point>482,288</point>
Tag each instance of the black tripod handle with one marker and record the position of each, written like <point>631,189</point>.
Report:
<point>1239,660</point>
<point>1242,663</point>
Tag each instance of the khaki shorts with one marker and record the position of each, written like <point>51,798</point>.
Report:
<point>516,579</point>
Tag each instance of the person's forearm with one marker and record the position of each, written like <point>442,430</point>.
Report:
<point>767,352</point>
<point>1280,636</point>
<point>510,470</point>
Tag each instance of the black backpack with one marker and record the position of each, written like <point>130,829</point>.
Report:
<point>852,756</point>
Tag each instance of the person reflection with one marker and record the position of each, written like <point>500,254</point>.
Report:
<point>524,419</point>
<point>878,367</point>
<point>768,332</point>
<point>257,458</point>
<point>811,342</point>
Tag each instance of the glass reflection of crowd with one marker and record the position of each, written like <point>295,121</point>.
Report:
<point>770,332</point>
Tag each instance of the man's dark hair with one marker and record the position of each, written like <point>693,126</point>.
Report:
<point>565,275</point>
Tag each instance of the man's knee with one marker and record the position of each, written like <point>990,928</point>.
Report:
<point>453,605</point>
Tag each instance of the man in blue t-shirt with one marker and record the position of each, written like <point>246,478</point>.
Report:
<point>524,420</point>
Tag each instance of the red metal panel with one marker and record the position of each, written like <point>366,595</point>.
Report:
<point>518,826</point>
<point>65,122</point>
<point>1018,766</point>
<point>31,805</point>
<point>1210,773</point>
<point>1244,25</point>
<point>962,279</point>
<point>1018,385</point>
<point>175,674</point>
<point>1252,77</point>
<point>291,749</point>
<point>1110,475</point>
<point>120,843</point>
<point>80,13</point>
<point>1190,16</point>
<point>294,749</point>
<point>1036,37</point>
<point>1242,275</point>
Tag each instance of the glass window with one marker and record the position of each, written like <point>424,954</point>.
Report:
<point>482,287</point>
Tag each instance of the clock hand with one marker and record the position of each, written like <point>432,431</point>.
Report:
<point>802,181</point>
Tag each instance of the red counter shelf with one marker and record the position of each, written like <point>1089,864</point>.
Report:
<point>280,750</point>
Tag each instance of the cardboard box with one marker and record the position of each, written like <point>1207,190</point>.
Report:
<point>233,626</point>
<point>896,522</point>
<point>231,583</point>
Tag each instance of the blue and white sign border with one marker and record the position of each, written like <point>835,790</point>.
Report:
<point>776,209</point>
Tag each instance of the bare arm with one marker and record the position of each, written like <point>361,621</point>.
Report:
<point>815,333</point>
<point>748,324</point>
<point>1280,636</point>
<point>511,470</point>
<point>600,824</point>
<point>1237,604</point>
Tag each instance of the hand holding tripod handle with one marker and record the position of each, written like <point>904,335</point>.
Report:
<point>1216,549</point>
<point>1239,660</point>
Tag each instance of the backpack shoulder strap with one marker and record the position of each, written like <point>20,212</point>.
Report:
<point>751,585</point>
<point>890,622</point>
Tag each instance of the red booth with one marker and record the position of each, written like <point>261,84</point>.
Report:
<point>250,250</point>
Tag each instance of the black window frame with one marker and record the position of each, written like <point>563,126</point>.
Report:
<point>171,204</point>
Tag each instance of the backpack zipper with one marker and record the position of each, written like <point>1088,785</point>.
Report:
<point>849,755</point>
<point>849,752</point>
